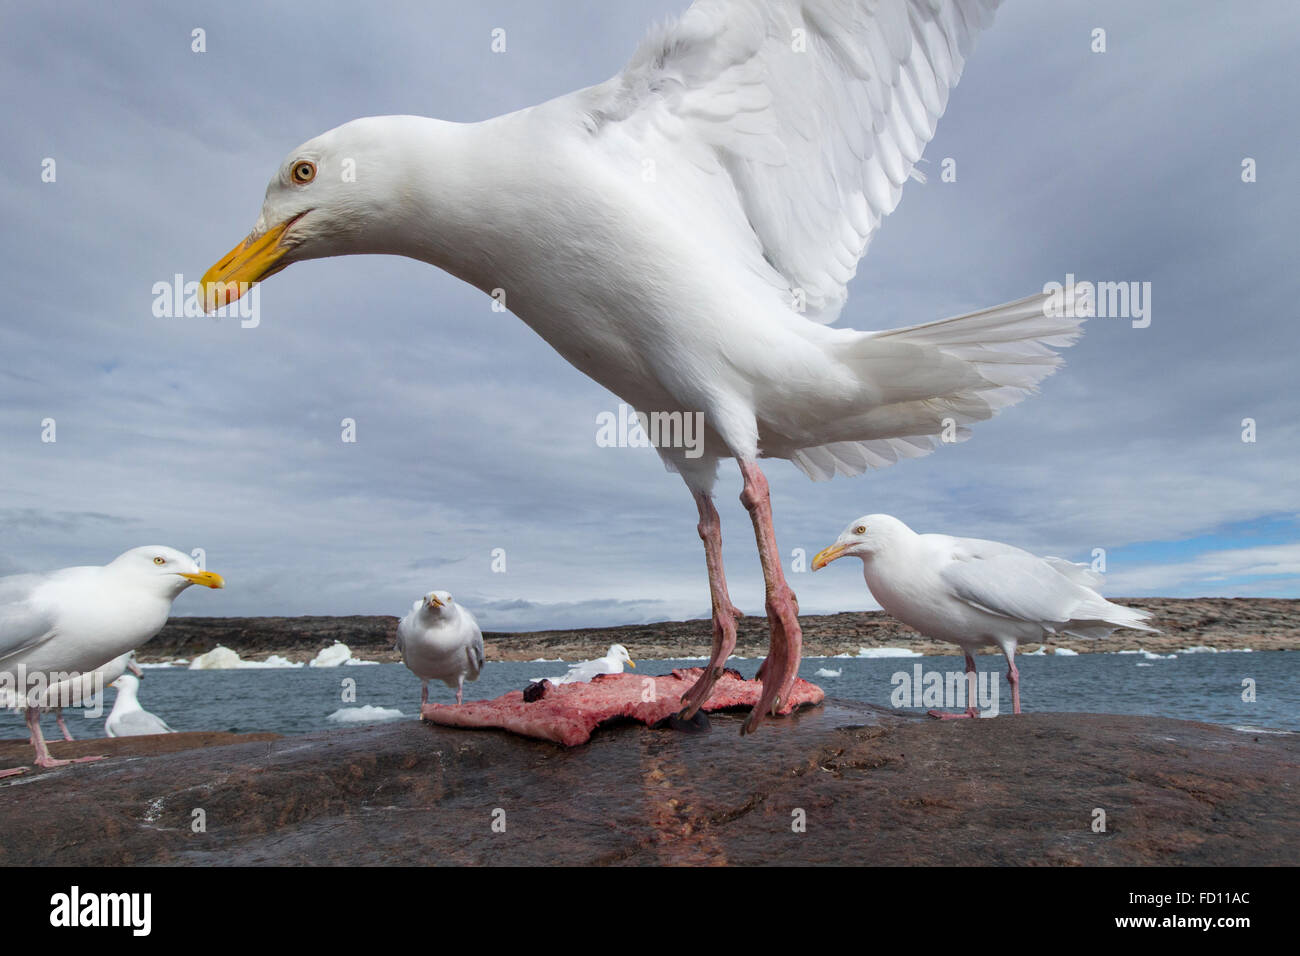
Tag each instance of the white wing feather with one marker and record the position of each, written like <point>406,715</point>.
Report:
<point>23,623</point>
<point>1018,586</point>
<point>1008,582</point>
<point>817,111</point>
<point>137,723</point>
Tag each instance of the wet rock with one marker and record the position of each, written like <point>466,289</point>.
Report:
<point>869,785</point>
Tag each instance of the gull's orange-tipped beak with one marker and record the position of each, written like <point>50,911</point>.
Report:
<point>827,555</point>
<point>209,579</point>
<point>631,664</point>
<point>251,261</point>
<point>434,602</point>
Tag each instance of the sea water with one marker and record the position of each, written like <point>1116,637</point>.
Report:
<point>1192,686</point>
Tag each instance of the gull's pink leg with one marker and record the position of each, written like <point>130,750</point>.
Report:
<point>782,664</point>
<point>725,613</point>
<point>1013,677</point>
<point>424,696</point>
<point>62,726</point>
<point>460,689</point>
<point>43,758</point>
<point>970,697</point>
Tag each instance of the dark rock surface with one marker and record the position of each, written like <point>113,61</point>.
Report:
<point>1263,624</point>
<point>876,787</point>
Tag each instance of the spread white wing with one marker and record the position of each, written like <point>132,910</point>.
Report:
<point>817,111</point>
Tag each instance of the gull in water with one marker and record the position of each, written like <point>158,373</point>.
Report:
<point>977,593</point>
<point>440,640</point>
<point>683,234</point>
<point>128,718</point>
<point>611,663</point>
<point>60,627</point>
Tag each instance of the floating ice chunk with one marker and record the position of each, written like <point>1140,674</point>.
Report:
<point>364,715</point>
<point>222,658</point>
<point>332,656</point>
<point>336,654</point>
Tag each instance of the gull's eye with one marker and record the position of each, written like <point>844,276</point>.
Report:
<point>159,560</point>
<point>304,171</point>
<point>860,529</point>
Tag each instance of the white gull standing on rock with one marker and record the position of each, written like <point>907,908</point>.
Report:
<point>977,593</point>
<point>63,625</point>
<point>128,718</point>
<point>440,640</point>
<point>683,234</point>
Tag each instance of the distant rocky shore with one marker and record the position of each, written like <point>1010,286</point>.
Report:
<point>1262,624</point>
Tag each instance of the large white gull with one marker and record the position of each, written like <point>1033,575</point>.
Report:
<point>683,233</point>
<point>976,593</point>
<point>60,626</point>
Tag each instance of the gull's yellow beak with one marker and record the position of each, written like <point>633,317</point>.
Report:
<point>434,601</point>
<point>631,664</point>
<point>827,555</point>
<point>209,579</point>
<point>251,261</point>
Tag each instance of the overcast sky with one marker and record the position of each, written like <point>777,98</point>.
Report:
<point>473,435</point>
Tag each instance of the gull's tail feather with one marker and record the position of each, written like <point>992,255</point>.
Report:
<point>924,384</point>
<point>1098,618</point>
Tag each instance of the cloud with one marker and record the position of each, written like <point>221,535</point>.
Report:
<point>1215,571</point>
<point>474,435</point>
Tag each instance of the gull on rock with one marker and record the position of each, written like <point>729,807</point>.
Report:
<point>128,718</point>
<point>64,625</point>
<point>702,285</point>
<point>440,640</point>
<point>81,691</point>
<point>977,593</point>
